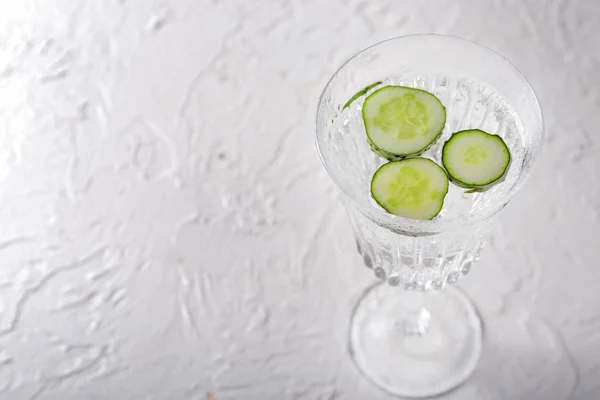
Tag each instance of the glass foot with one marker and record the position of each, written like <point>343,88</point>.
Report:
<point>415,352</point>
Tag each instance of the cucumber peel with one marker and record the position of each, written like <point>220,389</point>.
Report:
<point>361,92</point>
<point>401,121</point>
<point>475,159</point>
<point>474,190</point>
<point>412,188</point>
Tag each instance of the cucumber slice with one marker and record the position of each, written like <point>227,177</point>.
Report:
<point>411,188</point>
<point>402,121</point>
<point>475,159</point>
<point>360,93</point>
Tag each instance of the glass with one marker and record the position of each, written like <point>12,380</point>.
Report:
<point>407,335</point>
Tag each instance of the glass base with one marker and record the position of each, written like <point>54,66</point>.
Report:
<point>420,353</point>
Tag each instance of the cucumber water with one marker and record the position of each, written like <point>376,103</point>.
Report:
<point>469,103</point>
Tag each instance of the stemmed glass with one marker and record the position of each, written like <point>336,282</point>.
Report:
<point>412,334</point>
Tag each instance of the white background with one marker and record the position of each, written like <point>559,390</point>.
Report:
<point>167,231</point>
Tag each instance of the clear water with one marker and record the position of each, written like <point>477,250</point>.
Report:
<point>469,104</point>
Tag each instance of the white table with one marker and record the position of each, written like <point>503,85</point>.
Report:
<point>167,231</point>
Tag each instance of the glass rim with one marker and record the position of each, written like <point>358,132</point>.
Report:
<point>423,227</point>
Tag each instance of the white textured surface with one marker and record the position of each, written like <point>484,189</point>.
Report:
<point>168,232</point>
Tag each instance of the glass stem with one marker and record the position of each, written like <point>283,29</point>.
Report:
<point>414,320</point>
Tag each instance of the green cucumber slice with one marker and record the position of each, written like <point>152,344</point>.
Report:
<point>360,93</point>
<point>412,188</point>
<point>402,121</point>
<point>475,159</point>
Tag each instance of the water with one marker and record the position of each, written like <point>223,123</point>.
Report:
<point>469,104</point>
